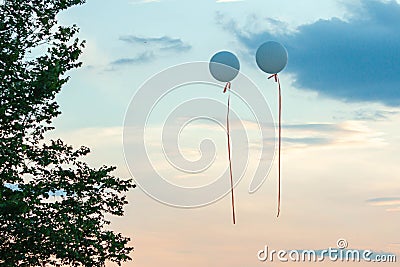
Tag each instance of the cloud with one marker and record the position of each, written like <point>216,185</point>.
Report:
<point>165,43</point>
<point>348,133</point>
<point>153,47</point>
<point>310,134</point>
<point>307,140</point>
<point>323,127</point>
<point>386,201</point>
<point>354,60</point>
<point>141,58</point>
<point>392,204</point>
<point>374,115</point>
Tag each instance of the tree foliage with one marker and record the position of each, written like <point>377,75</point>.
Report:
<point>52,204</point>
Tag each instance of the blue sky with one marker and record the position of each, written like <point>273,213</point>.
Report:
<point>129,42</point>
<point>352,60</point>
<point>341,98</point>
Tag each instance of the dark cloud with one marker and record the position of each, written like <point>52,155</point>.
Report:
<point>163,43</point>
<point>354,60</point>
<point>141,58</point>
<point>152,46</point>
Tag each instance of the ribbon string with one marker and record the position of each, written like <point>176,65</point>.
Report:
<point>227,89</point>
<point>275,76</point>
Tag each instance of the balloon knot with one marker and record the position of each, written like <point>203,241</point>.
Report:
<point>275,76</point>
<point>227,86</point>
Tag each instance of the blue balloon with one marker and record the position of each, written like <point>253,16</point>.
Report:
<point>271,57</point>
<point>224,66</point>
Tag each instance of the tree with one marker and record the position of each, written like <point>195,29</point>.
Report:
<point>38,228</point>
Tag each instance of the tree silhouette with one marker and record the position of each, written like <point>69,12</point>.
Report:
<point>38,228</point>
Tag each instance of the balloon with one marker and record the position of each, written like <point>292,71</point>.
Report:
<point>271,57</point>
<point>224,66</point>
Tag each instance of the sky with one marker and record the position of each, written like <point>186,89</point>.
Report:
<point>341,114</point>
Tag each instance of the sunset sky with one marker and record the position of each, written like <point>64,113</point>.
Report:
<point>341,123</point>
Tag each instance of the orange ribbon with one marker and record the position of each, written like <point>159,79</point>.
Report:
<point>227,88</point>
<point>275,76</point>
